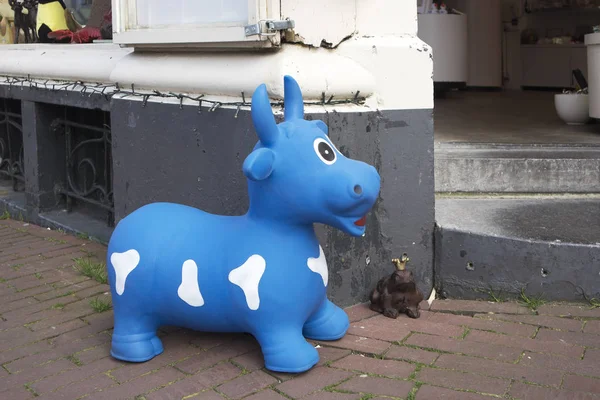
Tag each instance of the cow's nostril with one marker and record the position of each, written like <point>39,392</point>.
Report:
<point>357,189</point>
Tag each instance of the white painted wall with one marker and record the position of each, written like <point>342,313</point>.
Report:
<point>376,51</point>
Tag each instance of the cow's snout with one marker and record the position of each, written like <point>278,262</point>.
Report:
<point>363,185</point>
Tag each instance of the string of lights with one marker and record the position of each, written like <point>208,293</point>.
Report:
<point>111,90</point>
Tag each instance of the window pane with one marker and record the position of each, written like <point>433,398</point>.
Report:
<point>81,9</point>
<point>152,13</point>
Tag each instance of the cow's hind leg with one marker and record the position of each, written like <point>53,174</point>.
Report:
<point>329,322</point>
<point>134,338</point>
<point>286,350</point>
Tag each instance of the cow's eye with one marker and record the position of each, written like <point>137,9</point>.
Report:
<point>324,151</point>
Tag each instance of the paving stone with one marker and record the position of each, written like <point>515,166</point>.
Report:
<point>563,324</point>
<point>246,384</point>
<point>33,374</point>
<point>208,340</point>
<point>97,353</point>
<point>266,395</point>
<point>174,351</point>
<point>473,306</point>
<point>207,395</point>
<point>510,328</point>
<point>76,374</point>
<point>36,306</point>
<point>379,386</point>
<point>17,393</point>
<point>313,380</point>
<point>102,322</point>
<point>389,329</point>
<point>20,337</point>
<point>499,369</point>
<point>281,376</point>
<point>361,344</point>
<point>200,360</point>
<point>487,350</point>
<point>427,392</point>
<point>251,361</point>
<point>66,291</point>
<point>78,389</point>
<point>581,383</point>
<point>206,379</point>
<point>521,391</point>
<point>15,305</point>
<point>539,344</point>
<point>331,396</point>
<point>33,292</point>
<point>329,354</point>
<point>410,354</point>
<point>591,356</point>
<point>389,368</point>
<point>380,330</point>
<point>360,312</point>
<point>583,367</point>
<point>24,351</point>
<point>140,385</point>
<point>465,381</point>
<point>47,251</point>
<point>592,327</point>
<point>62,316</point>
<point>579,338</point>
<point>560,310</point>
<point>94,291</point>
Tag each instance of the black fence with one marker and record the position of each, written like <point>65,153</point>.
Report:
<point>11,143</point>
<point>88,163</point>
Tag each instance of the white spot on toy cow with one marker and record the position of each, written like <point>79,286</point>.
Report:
<point>189,291</point>
<point>247,277</point>
<point>319,266</point>
<point>124,263</point>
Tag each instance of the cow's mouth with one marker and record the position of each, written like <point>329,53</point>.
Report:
<point>361,222</point>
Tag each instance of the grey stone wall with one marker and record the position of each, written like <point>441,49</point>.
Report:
<point>164,152</point>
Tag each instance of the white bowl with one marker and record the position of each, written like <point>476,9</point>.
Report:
<point>572,108</point>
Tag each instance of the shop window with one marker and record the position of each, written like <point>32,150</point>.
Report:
<point>233,23</point>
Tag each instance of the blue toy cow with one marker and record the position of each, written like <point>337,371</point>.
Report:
<point>263,272</point>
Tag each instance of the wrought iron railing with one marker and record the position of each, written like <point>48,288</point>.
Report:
<point>11,143</point>
<point>88,159</point>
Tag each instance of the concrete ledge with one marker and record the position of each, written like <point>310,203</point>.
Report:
<point>549,246</point>
<point>87,62</point>
<point>517,169</point>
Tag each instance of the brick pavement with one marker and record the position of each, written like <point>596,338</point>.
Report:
<point>55,345</point>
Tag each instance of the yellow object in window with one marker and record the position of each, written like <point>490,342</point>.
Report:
<point>51,17</point>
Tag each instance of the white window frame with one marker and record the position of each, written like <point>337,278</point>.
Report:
<point>218,34</point>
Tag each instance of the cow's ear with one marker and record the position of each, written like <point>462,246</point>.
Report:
<point>259,164</point>
<point>322,126</point>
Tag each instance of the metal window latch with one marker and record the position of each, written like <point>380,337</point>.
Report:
<point>268,27</point>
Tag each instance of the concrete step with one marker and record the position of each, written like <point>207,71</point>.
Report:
<point>545,245</point>
<point>502,168</point>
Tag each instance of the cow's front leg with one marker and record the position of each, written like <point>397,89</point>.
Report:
<point>329,322</point>
<point>286,350</point>
<point>134,337</point>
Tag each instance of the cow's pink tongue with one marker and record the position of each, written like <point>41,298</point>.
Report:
<point>361,222</point>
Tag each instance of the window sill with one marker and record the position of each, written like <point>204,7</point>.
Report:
<point>84,62</point>
<point>391,72</point>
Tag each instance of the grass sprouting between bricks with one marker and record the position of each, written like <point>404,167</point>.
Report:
<point>100,305</point>
<point>92,269</point>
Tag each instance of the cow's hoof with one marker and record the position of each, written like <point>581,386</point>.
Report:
<point>291,359</point>
<point>331,323</point>
<point>136,348</point>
